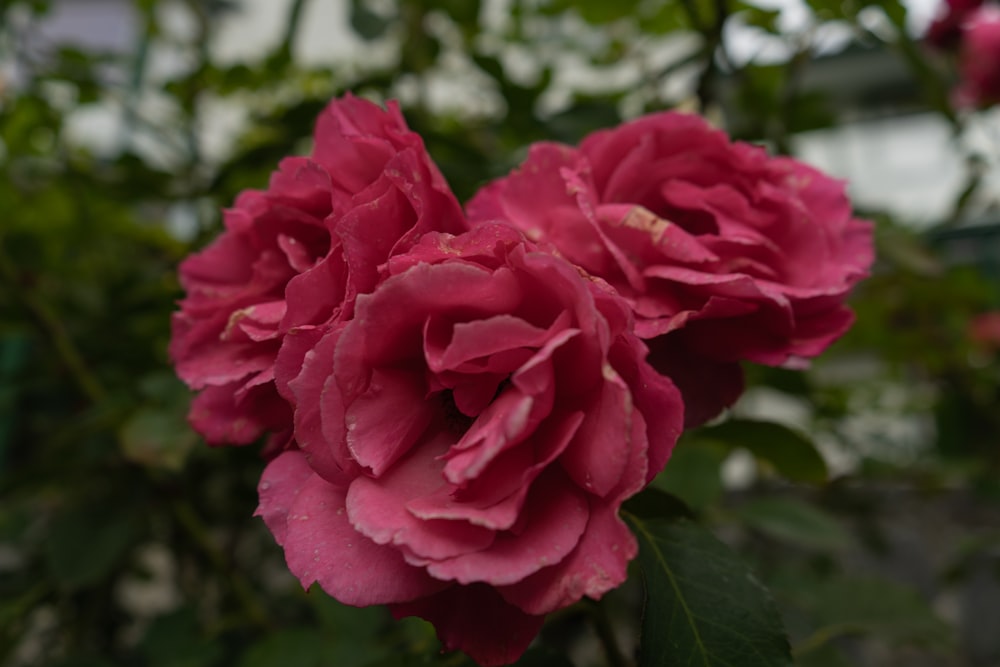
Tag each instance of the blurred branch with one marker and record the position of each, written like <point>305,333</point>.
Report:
<point>188,519</point>
<point>714,48</point>
<point>52,328</point>
<point>291,29</point>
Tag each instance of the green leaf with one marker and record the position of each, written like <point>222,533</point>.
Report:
<point>543,657</point>
<point>157,438</point>
<point>868,606</point>
<point>657,504</point>
<point>85,542</point>
<point>596,12</point>
<point>302,648</point>
<point>157,435</point>
<point>692,474</point>
<point>368,24</point>
<point>763,18</point>
<point>703,606</point>
<point>177,640</point>
<point>355,632</point>
<point>791,453</point>
<point>794,521</point>
<point>82,661</point>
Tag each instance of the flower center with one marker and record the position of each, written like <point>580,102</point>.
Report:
<point>457,421</point>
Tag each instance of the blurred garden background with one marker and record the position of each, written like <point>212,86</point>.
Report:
<point>864,491</point>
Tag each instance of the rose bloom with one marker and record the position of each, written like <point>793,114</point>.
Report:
<point>723,253</point>
<point>979,60</point>
<point>466,441</point>
<point>293,258</point>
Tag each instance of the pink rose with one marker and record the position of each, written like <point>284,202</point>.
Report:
<point>466,442</point>
<point>723,253</point>
<point>979,60</point>
<point>293,259</point>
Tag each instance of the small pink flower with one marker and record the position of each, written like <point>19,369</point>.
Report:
<point>723,253</point>
<point>979,60</point>
<point>293,259</point>
<point>466,441</point>
<point>945,32</point>
<point>985,330</point>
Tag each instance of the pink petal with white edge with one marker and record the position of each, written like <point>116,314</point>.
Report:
<point>476,620</point>
<point>504,424</point>
<point>378,507</point>
<point>598,564</point>
<point>479,338</point>
<point>556,512</point>
<point>322,547</point>
<point>497,496</point>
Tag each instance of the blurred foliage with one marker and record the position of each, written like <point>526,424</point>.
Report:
<point>870,512</point>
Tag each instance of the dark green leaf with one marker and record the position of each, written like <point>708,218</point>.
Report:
<point>655,503</point>
<point>760,17</point>
<point>82,661</point>
<point>794,521</point>
<point>868,606</point>
<point>177,640</point>
<point>692,473</point>
<point>703,606</point>
<point>543,657</point>
<point>302,648</point>
<point>791,453</point>
<point>85,542</point>
<point>367,23</point>
<point>596,12</point>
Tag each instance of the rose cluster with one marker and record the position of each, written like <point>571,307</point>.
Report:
<point>459,402</point>
<point>970,29</point>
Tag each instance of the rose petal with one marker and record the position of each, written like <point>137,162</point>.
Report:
<point>279,486</point>
<point>598,564</point>
<point>476,620</point>
<point>556,514</point>
<point>321,546</point>
<point>378,507</point>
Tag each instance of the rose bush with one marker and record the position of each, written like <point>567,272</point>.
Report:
<point>466,441</point>
<point>293,259</point>
<point>723,253</point>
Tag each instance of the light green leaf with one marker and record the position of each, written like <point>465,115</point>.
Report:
<point>703,606</point>
<point>157,438</point>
